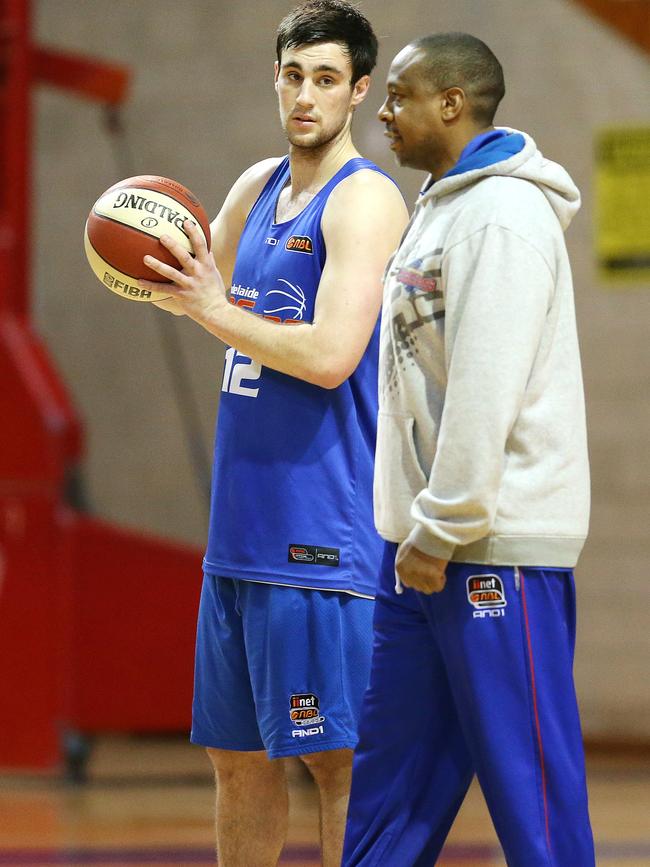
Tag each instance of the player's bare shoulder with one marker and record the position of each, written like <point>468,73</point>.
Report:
<point>369,198</point>
<point>247,188</point>
<point>227,226</point>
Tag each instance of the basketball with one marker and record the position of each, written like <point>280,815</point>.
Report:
<point>125,225</point>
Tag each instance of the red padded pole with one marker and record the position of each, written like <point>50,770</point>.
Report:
<point>15,129</point>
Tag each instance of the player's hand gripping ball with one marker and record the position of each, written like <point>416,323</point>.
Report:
<point>125,224</point>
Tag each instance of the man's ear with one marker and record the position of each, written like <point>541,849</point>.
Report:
<point>453,102</point>
<point>276,75</point>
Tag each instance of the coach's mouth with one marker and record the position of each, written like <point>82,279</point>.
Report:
<point>393,138</point>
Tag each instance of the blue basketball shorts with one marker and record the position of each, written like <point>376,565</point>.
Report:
<point>279,668</point>
<point>474,680</point>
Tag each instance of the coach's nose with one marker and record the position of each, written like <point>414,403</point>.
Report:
<point>385,115</point>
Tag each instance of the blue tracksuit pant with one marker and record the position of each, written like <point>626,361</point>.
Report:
<point>478,680</point>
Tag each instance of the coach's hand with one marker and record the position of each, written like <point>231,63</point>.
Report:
<point>418,570</point>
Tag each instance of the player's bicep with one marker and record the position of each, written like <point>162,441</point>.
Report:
<point>349,292</point>
<point>360,233</point>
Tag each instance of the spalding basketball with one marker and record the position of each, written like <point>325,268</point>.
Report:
<point>125,224</point>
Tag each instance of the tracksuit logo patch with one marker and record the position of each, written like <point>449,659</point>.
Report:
<point>486,595</point>
<point>305,715</point>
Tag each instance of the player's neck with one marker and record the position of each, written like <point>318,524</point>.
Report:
<point>311,168</point>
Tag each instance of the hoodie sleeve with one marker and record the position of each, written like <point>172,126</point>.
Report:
<point>498,291</point>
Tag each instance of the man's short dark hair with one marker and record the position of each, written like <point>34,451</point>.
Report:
<point>461,60</point>
<point>331,21</point>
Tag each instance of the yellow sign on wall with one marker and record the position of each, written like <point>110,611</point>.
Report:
<point>623,204</point>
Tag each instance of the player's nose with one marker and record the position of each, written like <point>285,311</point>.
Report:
<point>305,96</point>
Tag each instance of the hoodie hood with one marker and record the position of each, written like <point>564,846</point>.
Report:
<point>511,153</point>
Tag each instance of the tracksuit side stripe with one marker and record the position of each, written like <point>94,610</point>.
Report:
<point>537,723</point>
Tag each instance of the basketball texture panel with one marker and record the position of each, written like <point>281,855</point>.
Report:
<point>124,247</point>
<point>116,280</point>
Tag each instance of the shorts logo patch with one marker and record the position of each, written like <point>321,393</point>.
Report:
<point>300,244</point>
<point>486,595</point>
<point>315,555</point>
<point>305,715</point>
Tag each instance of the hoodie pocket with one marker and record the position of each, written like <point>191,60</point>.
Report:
<point>399,478</point>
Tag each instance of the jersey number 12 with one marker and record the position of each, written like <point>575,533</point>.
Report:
<point>236,373</point>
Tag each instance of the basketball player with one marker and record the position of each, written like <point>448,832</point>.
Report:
<point>285,623</point>
<point>482,487</point>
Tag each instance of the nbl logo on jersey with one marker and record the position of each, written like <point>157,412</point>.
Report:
<point>486,595</point>
<point>299,244</point>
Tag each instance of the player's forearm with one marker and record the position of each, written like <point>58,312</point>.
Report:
<point>306,351</point>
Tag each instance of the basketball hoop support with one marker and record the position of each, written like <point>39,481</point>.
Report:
<point>96,622</point>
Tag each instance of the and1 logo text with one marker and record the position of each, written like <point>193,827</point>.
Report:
<point>486,595</point>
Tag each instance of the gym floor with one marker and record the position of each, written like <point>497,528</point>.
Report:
<point>149,801</point>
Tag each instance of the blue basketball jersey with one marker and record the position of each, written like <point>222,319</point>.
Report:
<point>293,466</point>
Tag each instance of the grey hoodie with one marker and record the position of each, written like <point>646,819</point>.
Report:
<point>481,447</point>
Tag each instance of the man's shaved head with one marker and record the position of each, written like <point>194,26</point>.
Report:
<point>461,60</point>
